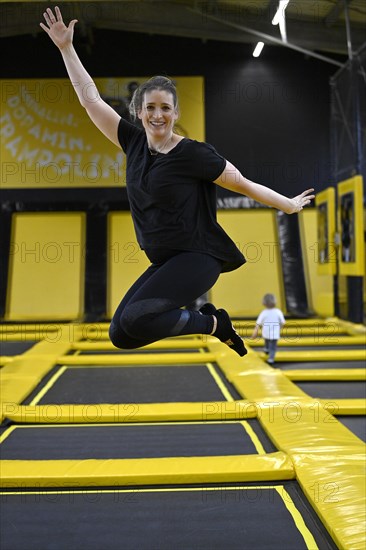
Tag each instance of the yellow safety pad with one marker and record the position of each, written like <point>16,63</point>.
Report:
<point>294,332</point>
<point>46,266</point>
<point>29,332</point>
<point>242,290</point>
<point>319,355</point>
<point>326,252</point>
<point>21,328</point>
<point>5,359</point>
<point>352,328</point>
<point>334,479</point>
<point>133,360</point>
<point>146,471</point>
<point>129,412</point>
<point>345,406</point>
<point>354,188</point>
<point>326,374</point>
<point>329,460</point>
<point>21,375</point>
<point>126,261</point>
<point>319,288</point>
<point>314,341</point>
<point>309,323</point>
<point>161,344</point>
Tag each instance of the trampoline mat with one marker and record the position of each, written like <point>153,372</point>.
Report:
<point>334,389</point>
<point>127,441</point>
<point>15,348</point>
<point>146,519</point>
<point>321,365</point>
<point>158,384</point>
<point>356,424</point>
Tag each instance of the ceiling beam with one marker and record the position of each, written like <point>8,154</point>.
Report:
<point>177,20</point>
<point>272,39</point>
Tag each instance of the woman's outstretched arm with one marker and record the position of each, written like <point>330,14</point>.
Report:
<point>102,114</point>
<point>233,180</point>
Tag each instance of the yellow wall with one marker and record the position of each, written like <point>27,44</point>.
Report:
<point>126,262</point>
<point>319,287</point>
<point>241,291</point>
<point>46,268</point>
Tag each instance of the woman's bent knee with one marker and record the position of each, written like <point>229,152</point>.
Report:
<point>120,339</point>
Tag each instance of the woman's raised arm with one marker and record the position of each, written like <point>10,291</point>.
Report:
<point>233,180</point>
<point>103,116</point>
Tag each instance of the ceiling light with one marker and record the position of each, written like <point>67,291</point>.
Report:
<point>280,13</point>
<point>258,49</point>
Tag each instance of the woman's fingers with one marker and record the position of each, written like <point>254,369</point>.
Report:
<point>47,18</point>
<point>50,15</point>
<point>45,28</point>
<point>58,14</point>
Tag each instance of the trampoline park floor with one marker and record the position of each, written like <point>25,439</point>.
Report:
<point>180,445</point>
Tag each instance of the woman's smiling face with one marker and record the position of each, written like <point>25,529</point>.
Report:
<point>158,114</point>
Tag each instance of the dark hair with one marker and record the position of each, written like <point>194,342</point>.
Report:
<point>154,83</point>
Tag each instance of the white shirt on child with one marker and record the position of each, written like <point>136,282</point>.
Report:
<point>271,319</point>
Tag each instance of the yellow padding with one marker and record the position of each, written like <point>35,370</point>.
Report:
<point>319,288</point>
<point>5,360</point>
<point>345,406</point>
<point>129,412</point>
<point>315,341</point>
<point>334,479</point>
<point>46,267</point>
<point>293,332</point>
<point>126,261</point>
<point>133,360</point>
<point>21,328</point>
<point>352,328</point>
<point>321,355</point>
<point>329,460</point>
<point>20,376</point>
<point>162,344</point>
<point>51,332</point>
<point>255,232</point>
<point>146,471</point>
<point>354,188</point>
<point>20,337</point>
<point>326,374</point>
<point>299,323</point>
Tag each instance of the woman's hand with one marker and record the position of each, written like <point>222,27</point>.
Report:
<point>58,32</point>
<point>298,203</point>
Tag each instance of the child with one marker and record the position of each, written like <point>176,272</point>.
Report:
<point>271,320</point>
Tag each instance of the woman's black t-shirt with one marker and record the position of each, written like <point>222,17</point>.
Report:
<point>173,199</point>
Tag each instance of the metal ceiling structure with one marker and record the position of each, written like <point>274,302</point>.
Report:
<point>323,27</point>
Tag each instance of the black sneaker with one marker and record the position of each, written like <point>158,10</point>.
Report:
<point>207,309</point>
<point>227,333</point>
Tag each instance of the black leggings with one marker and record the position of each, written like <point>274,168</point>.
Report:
<point>151,310</point>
